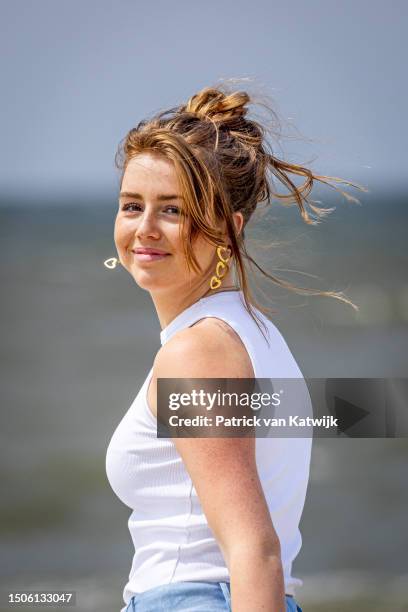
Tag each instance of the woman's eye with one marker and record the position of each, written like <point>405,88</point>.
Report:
<point>130,205</point>
<point>173,208</point>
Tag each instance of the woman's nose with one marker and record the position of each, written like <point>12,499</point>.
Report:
<point>147,226</point>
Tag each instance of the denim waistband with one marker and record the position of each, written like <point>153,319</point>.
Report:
<point>174,597</point>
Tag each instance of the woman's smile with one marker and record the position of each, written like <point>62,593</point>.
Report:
<point>149,255</point>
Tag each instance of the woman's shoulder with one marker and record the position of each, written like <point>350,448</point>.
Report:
<point>210,348</point>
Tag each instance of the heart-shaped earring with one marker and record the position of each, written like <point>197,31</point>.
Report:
<point>222,266</point>
<point>111,263</point>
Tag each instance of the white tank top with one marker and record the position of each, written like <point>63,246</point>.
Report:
<point>170,533</point>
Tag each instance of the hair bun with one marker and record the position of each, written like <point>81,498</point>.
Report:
<point>214,104</point>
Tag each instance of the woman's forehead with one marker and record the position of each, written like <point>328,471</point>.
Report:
<point>149,171</point>
<point>149,161</point>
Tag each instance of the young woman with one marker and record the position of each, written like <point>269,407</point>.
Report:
<point>215,520</point>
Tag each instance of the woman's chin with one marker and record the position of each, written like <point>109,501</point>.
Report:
<point>149,283</point>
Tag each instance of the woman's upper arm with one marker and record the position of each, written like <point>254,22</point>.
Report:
<point>223,470</point>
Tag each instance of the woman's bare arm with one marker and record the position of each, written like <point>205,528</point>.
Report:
<point>224,473</point>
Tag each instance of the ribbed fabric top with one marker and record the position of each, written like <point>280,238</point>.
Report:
<point>170,533</point>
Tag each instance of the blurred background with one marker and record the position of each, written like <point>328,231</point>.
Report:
<point>78,340</point>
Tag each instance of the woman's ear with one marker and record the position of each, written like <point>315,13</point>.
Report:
<point>238,221</point>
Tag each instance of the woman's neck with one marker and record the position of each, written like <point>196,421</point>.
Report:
<point>168,307</point>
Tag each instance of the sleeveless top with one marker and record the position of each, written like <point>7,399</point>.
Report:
<point>172,539</point>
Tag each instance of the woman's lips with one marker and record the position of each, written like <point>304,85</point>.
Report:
<point>149,256</point>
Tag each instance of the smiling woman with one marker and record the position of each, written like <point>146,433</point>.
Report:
<point>215,521</point>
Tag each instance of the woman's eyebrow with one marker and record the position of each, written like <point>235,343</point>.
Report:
<point>162,198</point>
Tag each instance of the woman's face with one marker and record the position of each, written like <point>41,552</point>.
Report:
<point>149,216</point>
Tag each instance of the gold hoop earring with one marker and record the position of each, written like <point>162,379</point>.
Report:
<point>221,267</point>
<point>111,263</point>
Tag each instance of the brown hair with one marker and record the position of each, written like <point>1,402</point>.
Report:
<point>225,164</point>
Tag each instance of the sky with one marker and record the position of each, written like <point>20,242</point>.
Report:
<point>77,75</point>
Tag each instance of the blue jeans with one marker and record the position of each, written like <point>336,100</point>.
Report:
<point>191,597</point>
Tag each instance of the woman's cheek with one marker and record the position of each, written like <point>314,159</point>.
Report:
<point>123,234</point>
